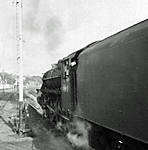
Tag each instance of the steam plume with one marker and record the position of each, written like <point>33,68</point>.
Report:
<point>78,133</point>
<point>45,27</point>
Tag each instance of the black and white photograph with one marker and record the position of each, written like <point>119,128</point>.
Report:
<point>73,74</point>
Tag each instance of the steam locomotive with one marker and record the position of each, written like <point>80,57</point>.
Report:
<point>106,85</point>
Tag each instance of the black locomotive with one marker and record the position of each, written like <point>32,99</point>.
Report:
<point>108,81</point>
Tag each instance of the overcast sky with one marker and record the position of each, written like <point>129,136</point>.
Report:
<point>52,29</point>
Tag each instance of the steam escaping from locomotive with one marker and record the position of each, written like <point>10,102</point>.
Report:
<point>78,134</point>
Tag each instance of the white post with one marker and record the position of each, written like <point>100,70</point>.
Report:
<point>19,57</point>
<point>19,46</point>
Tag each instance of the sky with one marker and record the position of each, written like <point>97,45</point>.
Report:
<point>52,29</point>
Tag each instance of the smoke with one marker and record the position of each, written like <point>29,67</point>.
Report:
<point>79,132</point>
<point>78,135</point>
<point>42,24</point>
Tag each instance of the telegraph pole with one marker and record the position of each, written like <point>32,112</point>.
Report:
<point>19,42</point>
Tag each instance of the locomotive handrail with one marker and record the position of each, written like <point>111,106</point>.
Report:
<point>51,77</point>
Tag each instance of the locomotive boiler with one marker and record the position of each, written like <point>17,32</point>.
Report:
<point>108,81</point>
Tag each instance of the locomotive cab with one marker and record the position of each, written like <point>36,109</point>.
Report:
<point>68,82</point>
